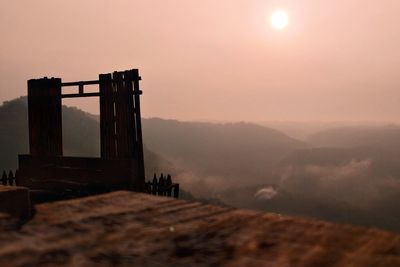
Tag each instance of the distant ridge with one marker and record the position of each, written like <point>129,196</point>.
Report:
<point>358,136</point>
<point>235,150</point>
<point>231,149</point>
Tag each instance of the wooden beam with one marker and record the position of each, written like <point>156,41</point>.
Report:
<point>83,83</point>
<point>80,95</point>
<point>79,83</point>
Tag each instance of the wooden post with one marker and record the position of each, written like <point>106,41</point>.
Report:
<point>45,123</point>
<point>130,116</point>
<point>120,122</point>
<point>107,117</point>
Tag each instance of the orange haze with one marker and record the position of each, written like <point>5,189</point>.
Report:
<point>215,60</point>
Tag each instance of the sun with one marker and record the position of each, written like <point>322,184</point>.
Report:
<point>279,19</point>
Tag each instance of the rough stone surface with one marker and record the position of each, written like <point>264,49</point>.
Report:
<point>129,229</point>
<point>15,201</point>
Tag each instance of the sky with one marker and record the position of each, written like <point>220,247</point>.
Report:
<point>215,60</point>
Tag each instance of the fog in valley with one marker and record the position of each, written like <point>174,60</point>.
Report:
<point>338,172</point>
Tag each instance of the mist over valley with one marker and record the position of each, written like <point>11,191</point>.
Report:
<point>348,174</point>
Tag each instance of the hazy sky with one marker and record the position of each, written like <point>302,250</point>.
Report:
<point>215,59</point>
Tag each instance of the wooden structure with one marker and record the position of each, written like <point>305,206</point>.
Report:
<point>121,165</point>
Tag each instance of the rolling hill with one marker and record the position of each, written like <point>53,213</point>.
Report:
<point>347,175</point>
<point>234,153</point>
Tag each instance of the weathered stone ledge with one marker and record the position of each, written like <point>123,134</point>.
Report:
<point>130,229</point>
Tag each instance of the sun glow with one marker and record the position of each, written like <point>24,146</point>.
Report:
<point>279,20</point>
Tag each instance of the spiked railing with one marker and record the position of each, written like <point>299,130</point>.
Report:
<point>162,186</point>
<point>9,179</point>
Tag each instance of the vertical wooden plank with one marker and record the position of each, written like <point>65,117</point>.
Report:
<point>107,117</point>
<point>138,124</point>
<point>121,117</point>
<point>130,116</point>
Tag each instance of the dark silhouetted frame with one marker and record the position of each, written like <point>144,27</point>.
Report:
<point>121,165</point>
